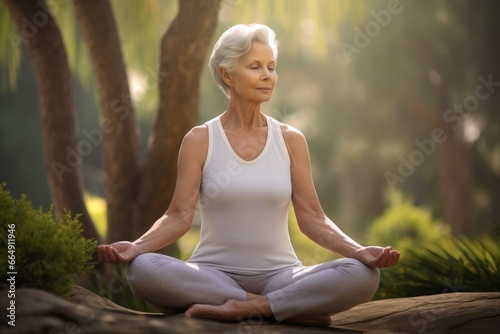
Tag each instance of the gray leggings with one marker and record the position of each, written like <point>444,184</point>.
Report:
<point>168,283</point>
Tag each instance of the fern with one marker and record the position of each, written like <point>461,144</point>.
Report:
<point>453,265</point>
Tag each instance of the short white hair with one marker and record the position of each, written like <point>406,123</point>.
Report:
<point>234,43</point>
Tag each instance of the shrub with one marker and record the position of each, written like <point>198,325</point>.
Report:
<point>49,250</point>
<point>402,225</point>
<point>453,265</point>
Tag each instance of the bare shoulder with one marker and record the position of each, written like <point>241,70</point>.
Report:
<point>195,143</point>
<point>294,138</point>
<point>197,135</point>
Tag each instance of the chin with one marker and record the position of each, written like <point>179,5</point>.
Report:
<point>264,99</point>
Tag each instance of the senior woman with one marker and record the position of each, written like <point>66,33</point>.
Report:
<point>243,169</point>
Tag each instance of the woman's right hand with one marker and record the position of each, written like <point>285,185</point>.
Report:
<point>118,252</point>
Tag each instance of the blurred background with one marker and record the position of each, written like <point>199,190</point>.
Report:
<point>399,101</point>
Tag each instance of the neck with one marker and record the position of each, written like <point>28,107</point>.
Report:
<point>243,115</point>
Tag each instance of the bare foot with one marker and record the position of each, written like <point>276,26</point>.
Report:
<point>231,311</point>
<point>322,320</point>
<point>225,312</point>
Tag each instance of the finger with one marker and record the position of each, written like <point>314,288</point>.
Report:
<point>392,259</point>
<point>109,254</point>
<point>395,258</point>
<point>384,262</point>
<point>379,261</point>
<point>114,255</point>
<point>103,253</point>
<point>386,257</point>
<point>99,253</point>
<point>118,258</point>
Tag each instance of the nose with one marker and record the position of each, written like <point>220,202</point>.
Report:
<point>266,74</point>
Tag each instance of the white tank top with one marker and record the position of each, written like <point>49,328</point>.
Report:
<point>244,206</point>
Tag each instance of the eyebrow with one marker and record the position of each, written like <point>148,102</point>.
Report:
<point>258,61</point>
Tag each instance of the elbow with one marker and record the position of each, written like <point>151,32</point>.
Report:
<point>314,227</point>
<point>309,223</point>
<point>309,229</point>
<point>184,220</point>
<point>304,228</point>
<point>186,224</point>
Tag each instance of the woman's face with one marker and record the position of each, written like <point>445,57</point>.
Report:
<point>255,75</point>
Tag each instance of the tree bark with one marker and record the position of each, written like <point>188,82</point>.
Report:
<point>121,142</point>
<point>183,50</point>
<point>453,165</point>
<point>63,159</point>
<point>455,174</point>
<point>136,197</point>
<point>455,181</point>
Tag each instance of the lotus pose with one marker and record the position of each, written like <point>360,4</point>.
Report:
<point>242,169</point>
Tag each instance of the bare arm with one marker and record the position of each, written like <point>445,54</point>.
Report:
<point>311,218</point>
<point>178,218</point>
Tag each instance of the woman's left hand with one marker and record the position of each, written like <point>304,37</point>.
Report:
<point>378,257</point>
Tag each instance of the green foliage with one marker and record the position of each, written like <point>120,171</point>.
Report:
<point>453,265</point>
<point>10,58</point>
<point>403,224</point>
<point>432,261</point>
<point>48,249</point>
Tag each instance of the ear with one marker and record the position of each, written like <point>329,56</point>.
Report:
<point>226,76</point>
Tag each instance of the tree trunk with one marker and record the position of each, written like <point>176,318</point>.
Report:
<point>121,143</point>
<point>453,164</point>
<point>63,156</point>
<point>455,175</point>
<point>455,181</point>
<point>183,50</point>
<point>488,64</point>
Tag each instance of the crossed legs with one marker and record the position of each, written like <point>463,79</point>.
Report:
<point>171,284</point>
<point>303,294</point>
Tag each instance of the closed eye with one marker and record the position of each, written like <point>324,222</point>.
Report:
<point>258,66</point>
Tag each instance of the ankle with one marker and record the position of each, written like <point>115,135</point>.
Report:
<point>261,305</point>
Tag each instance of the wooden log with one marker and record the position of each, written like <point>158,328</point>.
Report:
<point>40,312</point>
